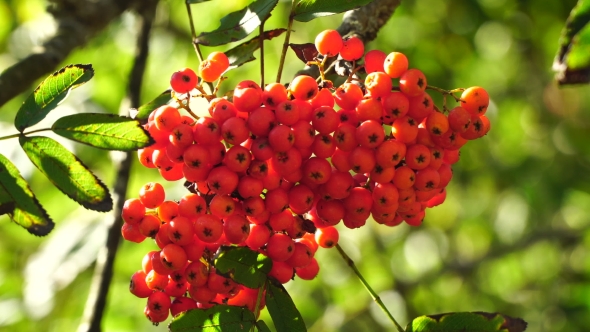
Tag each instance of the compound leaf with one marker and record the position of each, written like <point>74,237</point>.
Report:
<point>220,317</point>
<point>143,112</point>
<point>17,198</point>
<point>105,131</point>
<point>466,321</point>
<point>572,61</point>
<point>282,310</point>
<point>239,24</point>
<point>67,173</point>
<point>307,10</point>
<point>244,266</point>
<point>244,52</point>
<point>53,90</point>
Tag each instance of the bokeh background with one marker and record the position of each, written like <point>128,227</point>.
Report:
<point>513,235</point>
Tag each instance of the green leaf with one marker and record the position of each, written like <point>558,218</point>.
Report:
<point>105,131</point>
<point>190,2</point>
<point>467,321</point>
<point>220,317</point>
<point>244,266</point>
<point>26,210</point>
<point>261,326</point>
<point>143,112</point>
<point>572,61</point>
<point>307,10</point>
<point>53,90</point>
<point>282,310</point>
<point>67,173</point>
<point>244,52</point>
<point>239,24</point>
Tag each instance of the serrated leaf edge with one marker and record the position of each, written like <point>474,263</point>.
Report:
<point>106,201</point>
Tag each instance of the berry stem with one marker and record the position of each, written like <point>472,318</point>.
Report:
<point>193,33</point>
<point>24,134</point>
<point>286,43</point>
<point>355,69</point>
<point>446,92</point>
<point>374,295</point>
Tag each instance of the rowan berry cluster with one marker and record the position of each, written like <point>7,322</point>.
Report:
<point>275,168</point>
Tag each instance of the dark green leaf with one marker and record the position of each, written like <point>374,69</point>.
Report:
<point>573,57</point>
<point>282,310</point>
<point>217,318</point>
<point>50,93</point>
<point>105,131</point>
<point>143,112</point>
<point>67,173</point>
<point>307,10</point>
<point>195,1</point>
<point>239,24</point>
<point>244,52</point>
<point>467,321</point>
<point>261,326</point>
<point>7,204</point>
<point>26,210</point>
<point>244,266</point>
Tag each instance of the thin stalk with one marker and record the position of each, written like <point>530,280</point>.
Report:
<point>446,92</point>
<point>261,42</point>
<point>24,134</point>
<point>193,33</point>
<point>374,295</point>
<point>286,43</point>
<point>258,301</point>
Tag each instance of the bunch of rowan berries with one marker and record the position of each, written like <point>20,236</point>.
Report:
<point>275,168</point>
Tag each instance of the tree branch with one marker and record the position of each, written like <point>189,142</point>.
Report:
<point>103,272</point>
<point>77,22</point>
<point>364,22</point>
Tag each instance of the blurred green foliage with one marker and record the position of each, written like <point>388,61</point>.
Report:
<point>512,237</point>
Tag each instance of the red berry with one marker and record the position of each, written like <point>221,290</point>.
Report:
<point>353,48</point>
<point>183,80</point>
<point>328,42</point>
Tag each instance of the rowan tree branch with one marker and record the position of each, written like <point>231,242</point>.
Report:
<point>77,22</point>
<point>103,273</point>
<point>364,22</point>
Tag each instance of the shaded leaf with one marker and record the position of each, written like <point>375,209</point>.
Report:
<point>67,173</point>
<point>239,24</point>
<point>244,52</point>
<point>282,310</point>
<point>53,90</point>
<point>105,131</point>
<point>7,207</point>
<point>467,321</point>
<point>261,326</point>
<point>7,204</point>
<point>244,266</point>
<point>307,10</point>
<point>143,112</point>
<point>26,209</point>
<point>217,318</point>
<point>305,52</point>
<point>572,61</point>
